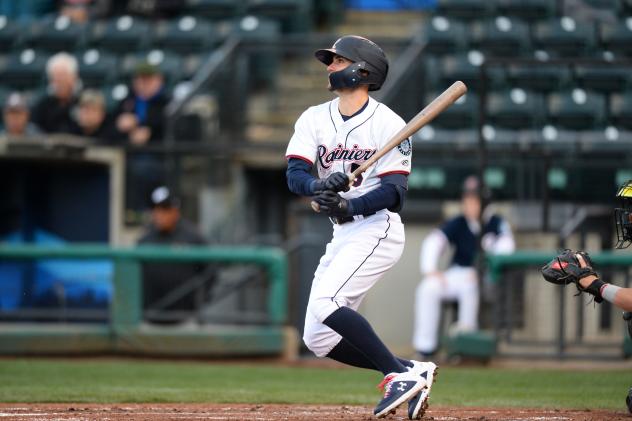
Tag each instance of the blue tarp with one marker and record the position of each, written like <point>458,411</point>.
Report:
<point>45,283</point>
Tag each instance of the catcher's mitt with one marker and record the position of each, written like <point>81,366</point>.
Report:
<point>565,269</point>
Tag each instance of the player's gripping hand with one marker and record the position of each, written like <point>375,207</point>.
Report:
<point>332,204</point>
<point>335,182</point>
<point>566,268</point>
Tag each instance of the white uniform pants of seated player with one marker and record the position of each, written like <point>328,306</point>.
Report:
<point>357,256</point>
<point>459,284</point>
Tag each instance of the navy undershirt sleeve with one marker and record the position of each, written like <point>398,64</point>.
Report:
<point>299,177</point>
<point>384,197</point>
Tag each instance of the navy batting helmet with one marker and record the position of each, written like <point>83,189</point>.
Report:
<point>365,55</point>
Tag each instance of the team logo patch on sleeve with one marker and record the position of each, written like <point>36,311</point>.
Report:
<point>405,147</point>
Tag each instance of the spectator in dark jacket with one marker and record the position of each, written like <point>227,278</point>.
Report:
<point>53,113</point>
<point>140,117</point>
<point>140,120</point>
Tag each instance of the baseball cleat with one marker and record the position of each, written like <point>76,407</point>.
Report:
<point>418,405</point>
<point>398,388</point>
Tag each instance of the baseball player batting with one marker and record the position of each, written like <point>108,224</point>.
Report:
<point>368,237</point>
<point>575,267</point>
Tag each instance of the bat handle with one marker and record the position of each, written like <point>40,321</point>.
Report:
<point>315,206</point>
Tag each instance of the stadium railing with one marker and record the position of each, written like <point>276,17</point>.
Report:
<point>568,335</point>
<point>125,332</point>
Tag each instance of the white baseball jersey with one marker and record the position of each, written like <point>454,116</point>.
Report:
<point>360,251</point>
<point>322,138</point>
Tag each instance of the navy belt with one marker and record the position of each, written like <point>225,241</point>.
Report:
<point>344,219</point>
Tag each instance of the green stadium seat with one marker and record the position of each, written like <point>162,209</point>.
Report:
<point>10,34</point>
<point>607,78</point>
<point>214,9</point>
<point>24,69</point>
<point>617,37</point>
<point>122,34</point>
<point>526,9</point>
<point>114,94</point>
<point>613,5</point>
<point>577,109</point>
<point>466,67</point>
<point>169,64</point>
<point>263,63</point>
<point>462,114</point>
<point>55,34</point>
<point>186,34</point>
<point>539,77</point>
<point>564,36</point>
<point>501,36</point>
<point>464,9</point>
<point>621,109</point>
<point>515,109</point>
<point>294,15</point>
<point>444,35</point>
<point>97,68</point>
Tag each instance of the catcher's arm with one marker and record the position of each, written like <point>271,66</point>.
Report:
<point>620,297</point>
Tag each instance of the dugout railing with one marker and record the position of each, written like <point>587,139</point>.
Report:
<point>126,332</point>
<point>561,331</point>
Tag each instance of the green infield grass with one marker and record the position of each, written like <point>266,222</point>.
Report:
<point>126,381</point>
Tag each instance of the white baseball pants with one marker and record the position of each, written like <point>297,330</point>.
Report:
<point>457,284</point>
<point>357,256</point>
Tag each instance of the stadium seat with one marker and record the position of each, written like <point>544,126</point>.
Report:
<point>576,109</point>
<point>617,37</point>
<point>606,78</point>
<point>564,36</point>
<point>294,15</point>
<point>526,9</point>
<point>114,94</point>
<point>55,34</point>
<point>464,9</point>
<point>10,35</point>
<point>613,5</point>
<point>186,34</point>
<point>462,114</point>
<point>264,63</point>
<point>466,67</point>
<point>501,36</point>
<point>214,9</point>
<point>121,34</point>
<point>621,109</point>
<point>97,68</point>
<point>539,77</point>
<point>24,69</point>
<point>169,64</point>
<point>444,35</point>
<point>515,109</point>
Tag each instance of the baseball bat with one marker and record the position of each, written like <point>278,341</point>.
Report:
<point>425,116</point>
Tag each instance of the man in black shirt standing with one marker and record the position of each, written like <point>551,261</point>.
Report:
<point>168,227</point>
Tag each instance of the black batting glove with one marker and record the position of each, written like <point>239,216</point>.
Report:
<point>337,181</point>
<point>332,204</point>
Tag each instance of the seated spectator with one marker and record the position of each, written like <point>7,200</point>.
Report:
<point>168,227</point>
<point>53,113</point>
<point>92,118</point>
<point>16,116</point>
<point>140,117</point>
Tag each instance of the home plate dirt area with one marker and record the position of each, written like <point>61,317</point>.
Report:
<point>283,412</point>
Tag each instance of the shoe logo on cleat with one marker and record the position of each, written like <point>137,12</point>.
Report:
<point>402,386</point>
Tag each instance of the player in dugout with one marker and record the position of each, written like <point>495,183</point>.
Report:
<point>368,235</point>
<point>576,267</point>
